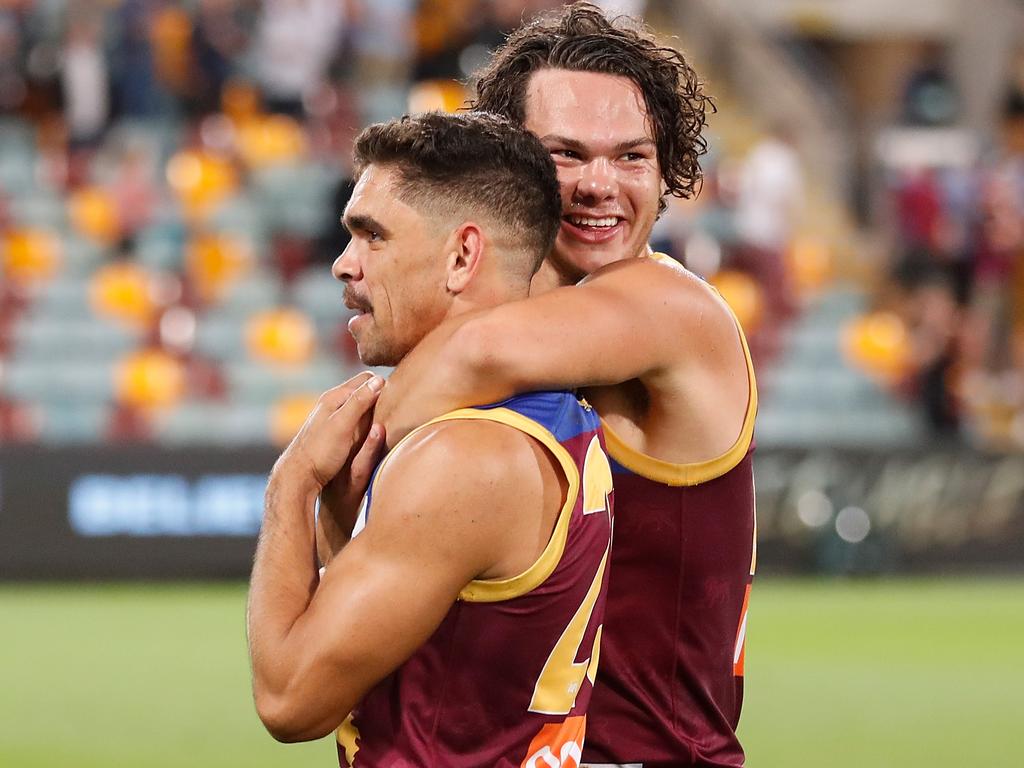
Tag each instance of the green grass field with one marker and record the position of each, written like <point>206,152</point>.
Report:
<point>889,673</point>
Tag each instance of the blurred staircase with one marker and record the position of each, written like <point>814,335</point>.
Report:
<point>811,397</point>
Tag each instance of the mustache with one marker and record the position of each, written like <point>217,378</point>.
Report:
<point>355,301</point>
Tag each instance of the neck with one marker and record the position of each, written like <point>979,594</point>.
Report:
<point>485,294</point>
<point>549,277</point>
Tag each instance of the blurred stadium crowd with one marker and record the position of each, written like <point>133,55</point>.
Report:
<point>172,174</point>
<point>955,216</point>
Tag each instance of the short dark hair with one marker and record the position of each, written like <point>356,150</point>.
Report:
<point>581,38</point>
<point>472,160</point>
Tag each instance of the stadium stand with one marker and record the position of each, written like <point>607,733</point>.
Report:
<point>188,237</point>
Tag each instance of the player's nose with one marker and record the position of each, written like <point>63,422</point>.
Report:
<point>347,267</point>
<point>597,181</point>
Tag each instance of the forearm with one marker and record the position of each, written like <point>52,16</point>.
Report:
<point>455,366</point>
<point>284,578</point>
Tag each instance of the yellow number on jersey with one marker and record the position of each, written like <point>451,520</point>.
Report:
<point>562,676</point>
<point>597,479</point>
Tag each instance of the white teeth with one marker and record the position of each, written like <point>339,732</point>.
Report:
<point>582,221</point>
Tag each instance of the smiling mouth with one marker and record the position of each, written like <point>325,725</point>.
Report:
<point>592,223</point>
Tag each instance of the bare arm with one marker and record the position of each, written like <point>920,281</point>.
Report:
<point>635,319</point>
<point>317,650</point>
<point>284,576</point>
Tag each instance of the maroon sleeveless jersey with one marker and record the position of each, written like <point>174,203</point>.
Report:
<point>507,677</point>
<point>671,680</point>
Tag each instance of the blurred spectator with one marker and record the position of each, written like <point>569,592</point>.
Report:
<point>930,97</point>
<point>443,29</point>
<point>383,44</point>
<point>86,81</point>
<point>219,36</point>
<point>1000,250</point>
<point>134,192</point>
<point>769,201</point>
<point>935,321</point>
<point>295,42</point>
<point>137,91</point>
<point>770,194</point>
<point>12,55</point>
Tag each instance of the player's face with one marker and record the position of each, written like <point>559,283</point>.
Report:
<point>393,270</point>
<point>596,128</point>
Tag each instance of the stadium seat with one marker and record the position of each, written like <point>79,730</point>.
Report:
<point>39,209</point>
<point>66,297</point>
<point>45,338</point>
<point>62,423</point>
<point>219,336</point>
<point>78,382</point>
<point>252,382</point>
<point>214,424</point>
<point>254,292</point>
<point>161,247</point>
<point>81,257</point>
<point>296,198</point>
<point>320,296</point>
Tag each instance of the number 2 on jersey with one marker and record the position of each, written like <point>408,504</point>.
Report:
<point>562,676</point>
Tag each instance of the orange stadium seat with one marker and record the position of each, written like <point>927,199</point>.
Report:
<point>123,292</point>
<point>93,212</point>
<point>214,261</point>
<point>287,416</point>
<point>30,255</point>
<point>149,379</point>
<point>878,344</point>
<point>281,336</point>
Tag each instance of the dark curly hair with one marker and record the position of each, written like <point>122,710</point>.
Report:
<point>471,161</point>
<point>581,38</point>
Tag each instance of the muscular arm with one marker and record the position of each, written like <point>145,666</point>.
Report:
<point>445,510</point>
<point>635,319</point>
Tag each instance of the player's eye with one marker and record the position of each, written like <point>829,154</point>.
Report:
<point>373,236</point>
<point>566,153</point>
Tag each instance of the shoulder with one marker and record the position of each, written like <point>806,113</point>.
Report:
<point>461,464</point>
<point>675,300</point>
<point>464,487</point>
<point>441,452</point>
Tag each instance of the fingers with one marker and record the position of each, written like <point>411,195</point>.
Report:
<point>335,397</point>
<point>337,428</point>
<point>364,462</point>
<point>359,403</point>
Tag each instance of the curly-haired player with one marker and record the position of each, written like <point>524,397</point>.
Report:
<point>660,356</point>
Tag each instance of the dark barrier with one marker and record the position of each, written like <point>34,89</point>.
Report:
<point>130,512</point>
<point>105,512</point>
<point>877,512</point>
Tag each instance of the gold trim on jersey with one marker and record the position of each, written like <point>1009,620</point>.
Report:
<point>495,590</point>
<point>347,736</point>
<point>694,473</point>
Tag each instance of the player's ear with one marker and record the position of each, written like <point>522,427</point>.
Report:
<point>465,254</point>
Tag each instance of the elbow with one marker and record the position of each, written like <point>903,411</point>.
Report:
<point>288,719</point>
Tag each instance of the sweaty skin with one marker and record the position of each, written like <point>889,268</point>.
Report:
<point>658,350</point>
<point>662,332</point>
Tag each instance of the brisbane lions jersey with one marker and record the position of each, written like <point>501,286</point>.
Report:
<point>507,677</point>
<point>671,681</point>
